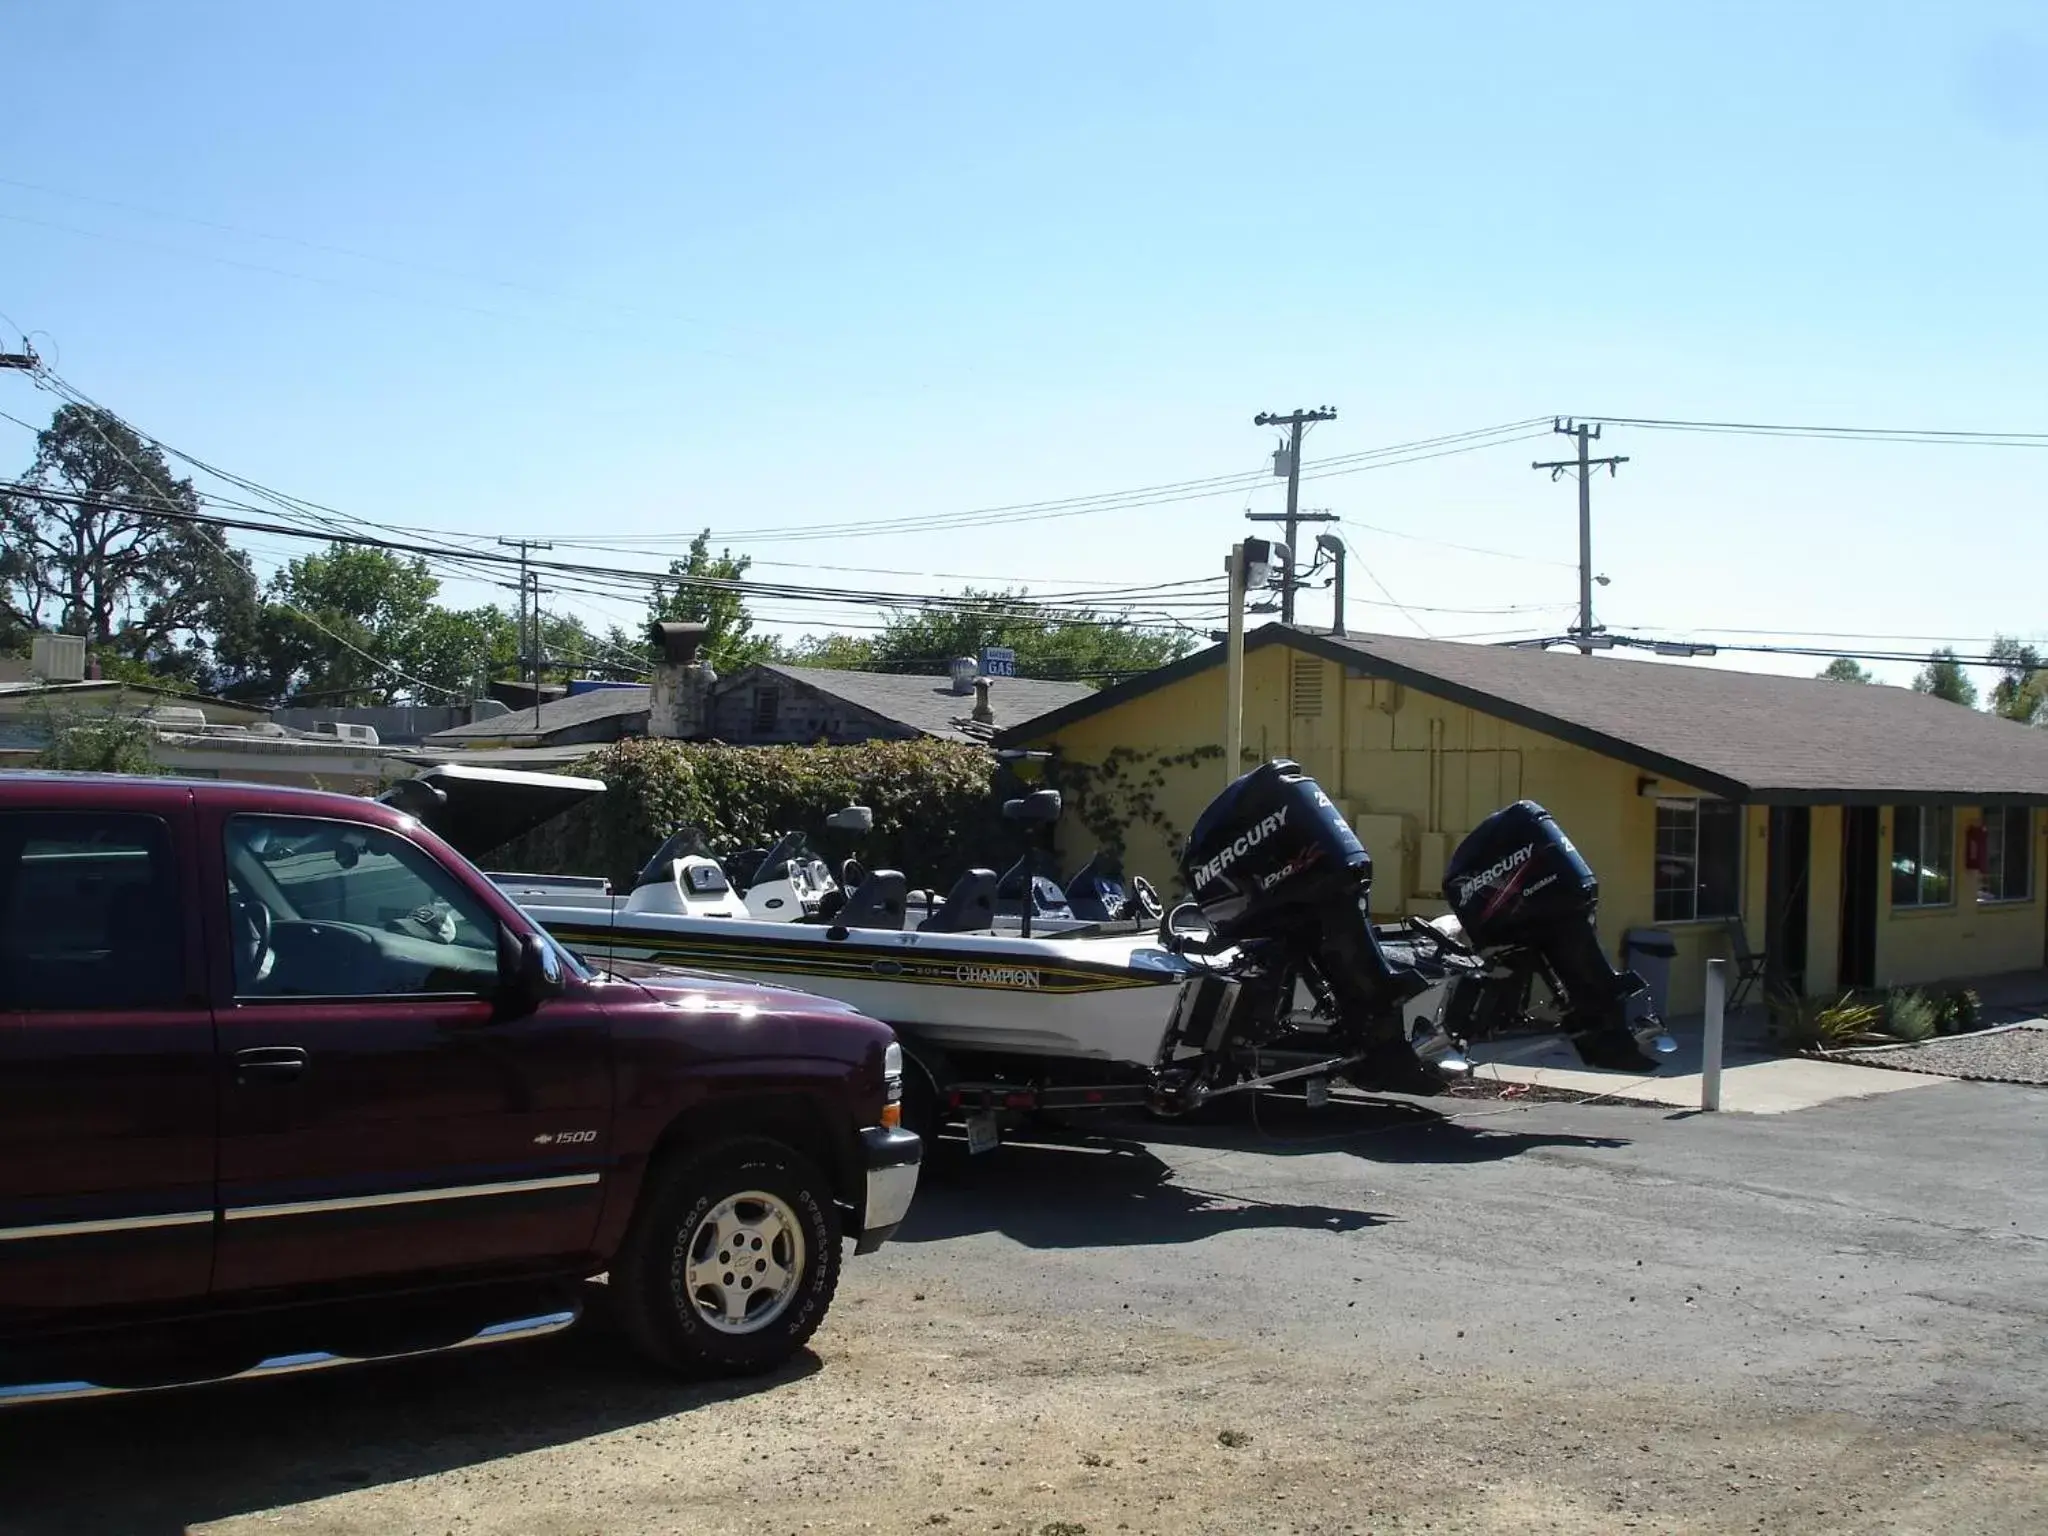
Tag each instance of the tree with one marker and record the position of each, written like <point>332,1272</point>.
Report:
<point>729,640</point>
<point>847,653</point>
<point>353,625</point>
<point>99,743</point>
<point>1843,670</point>
<point>1075,643</point>
<point>459,651</point>
<point>2021,692</point>
<point>91,550</point>
<point>1943,676</point>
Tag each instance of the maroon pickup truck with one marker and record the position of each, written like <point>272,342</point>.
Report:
<point>284,1081</point>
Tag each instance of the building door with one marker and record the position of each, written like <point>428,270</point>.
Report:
<point>1858,966</point>
<point>1786,882</point>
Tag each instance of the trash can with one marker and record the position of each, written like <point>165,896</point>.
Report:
<point>1649,953</point>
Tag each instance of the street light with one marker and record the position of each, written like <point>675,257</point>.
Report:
<point>1253,563</point>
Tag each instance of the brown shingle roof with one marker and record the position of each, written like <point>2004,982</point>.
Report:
<point>929,704</point>
<point>554,716</point>
<point>1742,734</point>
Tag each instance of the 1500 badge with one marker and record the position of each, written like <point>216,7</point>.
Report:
<point>564,1138</point>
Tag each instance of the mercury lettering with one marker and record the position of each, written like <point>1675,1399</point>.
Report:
<point>1209,873</point>
<point>1495,874</point>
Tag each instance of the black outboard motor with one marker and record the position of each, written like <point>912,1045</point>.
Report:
<point>1526,900</point>
<point>1272,862</point>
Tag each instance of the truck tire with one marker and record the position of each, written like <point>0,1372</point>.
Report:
<point>731,1259</point>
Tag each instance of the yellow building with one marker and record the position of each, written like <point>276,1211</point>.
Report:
<point>1852,834</point>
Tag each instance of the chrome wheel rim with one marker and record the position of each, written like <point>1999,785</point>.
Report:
<point>742,1265</point>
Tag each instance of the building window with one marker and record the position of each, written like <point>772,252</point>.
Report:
<point>2008,854</point>
<point>767,708</point>
<point>1699,860</point>
<point>1923,855</point>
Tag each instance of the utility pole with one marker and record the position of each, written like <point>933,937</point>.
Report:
<point>1233,667</point>
<point>1587,435</point>
<point>1296,420</point>
<point>26,359</point>
<point>529,655</point>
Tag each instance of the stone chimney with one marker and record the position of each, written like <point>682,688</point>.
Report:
<point>983,715</point>
<point>679,706</point>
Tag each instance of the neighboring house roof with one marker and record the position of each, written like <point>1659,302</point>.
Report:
<point>1744,735</point>
<point>553,717</point>
<point>113,688</point>
<point>928,704</point>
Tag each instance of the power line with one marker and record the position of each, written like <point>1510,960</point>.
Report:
<point>227,552</point>
<point>1926,435</point>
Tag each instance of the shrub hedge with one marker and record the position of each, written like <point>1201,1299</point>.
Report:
<point>936,809</point>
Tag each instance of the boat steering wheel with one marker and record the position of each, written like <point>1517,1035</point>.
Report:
<point>1146,898</point>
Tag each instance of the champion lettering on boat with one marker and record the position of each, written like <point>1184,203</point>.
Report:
<point>996,975</point>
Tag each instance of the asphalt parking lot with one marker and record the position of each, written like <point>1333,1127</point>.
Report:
<point>1547,1317</point>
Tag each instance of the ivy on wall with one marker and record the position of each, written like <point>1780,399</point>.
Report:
<point>1121,793</point>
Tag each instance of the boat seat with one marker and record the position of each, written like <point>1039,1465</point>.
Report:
<point>970,905</point>
<point>877,902</point>
<point>1033,878</point>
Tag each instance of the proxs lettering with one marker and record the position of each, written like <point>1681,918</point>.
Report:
<point>1208,874</point>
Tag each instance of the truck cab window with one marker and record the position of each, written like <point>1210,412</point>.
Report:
<point>336,909</point>
<point>89,913</point>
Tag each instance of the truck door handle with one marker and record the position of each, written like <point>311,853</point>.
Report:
<point>269,1064</point>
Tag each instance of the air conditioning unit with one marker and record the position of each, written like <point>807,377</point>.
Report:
<point>176,717</point>
<point>349,731</point>
<point>57,658</point>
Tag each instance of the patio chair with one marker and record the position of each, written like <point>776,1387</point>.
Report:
<point>1749,963</point>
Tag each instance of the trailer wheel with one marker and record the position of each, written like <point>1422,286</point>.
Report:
<point>731,1260</point>
<point>923,1113</point>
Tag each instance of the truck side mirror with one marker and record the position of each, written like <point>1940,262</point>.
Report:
<point>536,974</point>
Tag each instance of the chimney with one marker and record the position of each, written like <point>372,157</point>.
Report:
<point>679,706</point>
<point>963,670</point>
<point>982,713</point>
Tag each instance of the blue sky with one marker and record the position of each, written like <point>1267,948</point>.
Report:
<point>638,269</point>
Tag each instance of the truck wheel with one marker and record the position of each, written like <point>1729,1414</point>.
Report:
<point>731,1259</point>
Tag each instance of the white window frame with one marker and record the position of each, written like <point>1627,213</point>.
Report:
<point>1691,805</point>
<point>1922,812</point>
<point>1995,817</point>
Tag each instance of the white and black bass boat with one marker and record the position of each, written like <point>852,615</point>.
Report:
<point>1272,972</point>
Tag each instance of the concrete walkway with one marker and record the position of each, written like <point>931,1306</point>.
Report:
<point>1753,1081</point>
<point>1756,1078</point>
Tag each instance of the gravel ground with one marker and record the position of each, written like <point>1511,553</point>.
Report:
<point>1478,1318</point>
<point>2016,1055</point>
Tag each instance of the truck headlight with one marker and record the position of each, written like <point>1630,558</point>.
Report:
<point>892,1085</point>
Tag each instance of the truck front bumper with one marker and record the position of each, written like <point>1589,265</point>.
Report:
<point>891,1158</point>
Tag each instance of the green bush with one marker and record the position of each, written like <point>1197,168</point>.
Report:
<point>1911,1015</point>
<point>935,811</point>
<point>95,743</point>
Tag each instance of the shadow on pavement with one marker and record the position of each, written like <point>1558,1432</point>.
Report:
<point>1446,1131</point>
<point>1093,1192</point>
<point>155,1465</point>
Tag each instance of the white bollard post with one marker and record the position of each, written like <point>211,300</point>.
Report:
<point>1710,1046</point>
